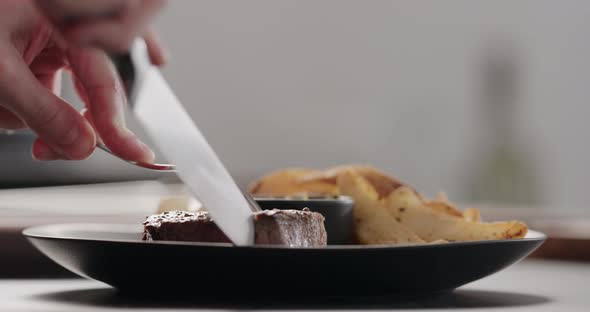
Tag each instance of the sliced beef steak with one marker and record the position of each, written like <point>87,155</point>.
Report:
<point>183,226</point>
<point>293,228</point>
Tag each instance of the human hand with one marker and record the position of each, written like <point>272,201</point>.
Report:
<point>108,24</point>
<point>32,55</point>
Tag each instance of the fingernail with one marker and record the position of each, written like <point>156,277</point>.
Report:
<point>150,156</point>
<point>146,154</point>
<point>71,137</point>
<point>79,143</point>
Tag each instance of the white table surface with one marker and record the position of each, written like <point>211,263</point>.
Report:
<point>532,285</point>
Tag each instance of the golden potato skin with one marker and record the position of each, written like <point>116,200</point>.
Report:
<point>409,209</point>
<point>444,207</point>
<point>382,183</point>
<point>472,214</point>
<point>288,182</point>
<point>386,210</point>
<point>373,224</point>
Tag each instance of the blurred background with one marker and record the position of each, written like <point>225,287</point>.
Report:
<point>485,100</point>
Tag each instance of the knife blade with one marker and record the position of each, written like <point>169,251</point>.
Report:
<point>178,138</point>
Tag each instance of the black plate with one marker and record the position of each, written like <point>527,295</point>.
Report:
<point>114,254</point>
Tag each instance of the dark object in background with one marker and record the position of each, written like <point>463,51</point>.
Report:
<point>18,169</point>
<point>336,210</point>
<point>503,169</point>
<point>568,238</point>
<point>126,70</point>
<point>567,230</point>
<point>293,228</point>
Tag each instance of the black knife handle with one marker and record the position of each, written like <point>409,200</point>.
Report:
<point>127,73</point>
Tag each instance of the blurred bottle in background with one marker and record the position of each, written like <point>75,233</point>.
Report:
<point>505,173</point>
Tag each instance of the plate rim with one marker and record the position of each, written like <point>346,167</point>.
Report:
<point>29,233</point>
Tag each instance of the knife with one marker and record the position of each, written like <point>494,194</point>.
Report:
<point>179,140</point>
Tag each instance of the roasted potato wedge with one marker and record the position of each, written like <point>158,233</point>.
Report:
<point>444,207</point>
<point>442,204</point>
<point>382,183</point>
<point>472,214</point>
<point>430,225</point>
<point>373,223</point>
<point>388,211</point>
<point>287,182</point>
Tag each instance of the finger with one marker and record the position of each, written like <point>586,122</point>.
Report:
<point>80,90</point>
<point>51,81</point>
<point>114,35</point>
<point>42,151</point>
<point>55,122</point>
<point>106,100</point>
<point>86,114</point>
<point>47,68</point>
<point>61,11</point>
<point>158,55</point>
<point>8,120</point>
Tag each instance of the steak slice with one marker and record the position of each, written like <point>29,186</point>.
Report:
<point>293,228</point>
<point>183,226</point>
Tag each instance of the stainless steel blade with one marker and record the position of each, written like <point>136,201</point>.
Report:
<point>177,137</point>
